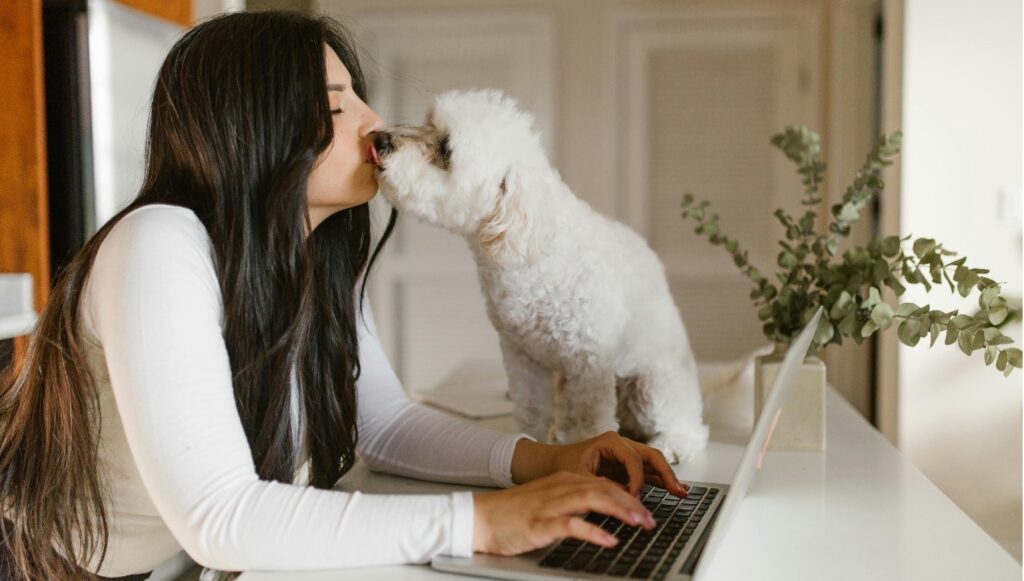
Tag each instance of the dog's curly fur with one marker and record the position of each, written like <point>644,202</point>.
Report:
<point>591,338</point>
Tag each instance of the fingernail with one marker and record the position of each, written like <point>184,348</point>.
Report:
<point>610,538</point>
<point>638,518</point>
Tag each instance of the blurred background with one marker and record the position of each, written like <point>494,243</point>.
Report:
<point>638,102</point>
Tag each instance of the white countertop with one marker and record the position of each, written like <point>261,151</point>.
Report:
<point>858,511</point>
<point>16,314</point>
<point>14,325</point>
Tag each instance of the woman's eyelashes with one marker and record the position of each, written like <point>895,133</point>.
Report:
<point>337,111</point>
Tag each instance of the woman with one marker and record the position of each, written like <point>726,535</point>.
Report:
<point>206,368</point>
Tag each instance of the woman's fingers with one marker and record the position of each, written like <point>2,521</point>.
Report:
<point>654,459</point>
<point>626,455</point>
<point>574,526</point>
<point>604,497</point>
<point>654,479</point>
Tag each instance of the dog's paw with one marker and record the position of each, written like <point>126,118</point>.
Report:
<point>681,444</point>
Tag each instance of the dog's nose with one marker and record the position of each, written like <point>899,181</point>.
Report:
<point>382,143</point>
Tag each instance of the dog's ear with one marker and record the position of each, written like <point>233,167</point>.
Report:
<point>509,234</point>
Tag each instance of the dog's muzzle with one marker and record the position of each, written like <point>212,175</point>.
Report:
<point>383,143</point>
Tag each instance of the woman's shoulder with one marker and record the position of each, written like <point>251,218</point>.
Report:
<point>155,243</point>
<point>156,232</point>
<point>155,220</point>
<point>152,256</point>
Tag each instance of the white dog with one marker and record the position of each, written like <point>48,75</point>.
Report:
<point>591,338</point>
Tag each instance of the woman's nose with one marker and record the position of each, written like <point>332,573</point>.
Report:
<point>373,123</point>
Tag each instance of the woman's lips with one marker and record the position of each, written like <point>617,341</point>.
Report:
<point>372,157</point>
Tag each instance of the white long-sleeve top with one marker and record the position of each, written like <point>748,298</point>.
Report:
<point>179,469</point>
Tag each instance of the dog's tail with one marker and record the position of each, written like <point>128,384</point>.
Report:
<point>718,375</point>
<point>728,391</point>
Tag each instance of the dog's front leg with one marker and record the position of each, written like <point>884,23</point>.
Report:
<point>530,387</point>
<point>585,405</point>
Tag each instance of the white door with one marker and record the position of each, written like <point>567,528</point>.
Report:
<point>424,289</point>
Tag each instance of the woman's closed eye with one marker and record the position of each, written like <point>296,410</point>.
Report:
<point>337,111</point>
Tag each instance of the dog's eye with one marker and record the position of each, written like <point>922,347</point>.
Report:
<point>444,153</point>
<point>442,148</point>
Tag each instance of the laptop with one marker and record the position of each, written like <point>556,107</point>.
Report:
<point>688,532</point>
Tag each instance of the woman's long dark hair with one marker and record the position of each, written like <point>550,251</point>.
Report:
<point>239,118</point>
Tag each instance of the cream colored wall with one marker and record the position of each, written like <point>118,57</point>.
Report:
<point>959,421</point>
<point>203,9</point>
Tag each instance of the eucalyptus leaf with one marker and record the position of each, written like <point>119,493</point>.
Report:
<point>895,285</point>
<point>951,334</point>
<point>961,321</point>
<point>979,339</point>
<point>960,273</point>
<point>824,333</point>
<point>907,334</point>
<point>987,295</point>
<point>1013,355</point>
<point>966,342</point>
<point>890,246</point>
<point>990,354</point>
<point>868,328</point>
<point>905,309</point>
<point>963,288</point>
<point>841,306</point>
<point>849,324</point>
<point>882,315</point>
<point>788,260</point>
<point>848,213</point>
<point>923,246</point>
<point>998,315</point>
<point>873,298</point>
<point>880,271</point>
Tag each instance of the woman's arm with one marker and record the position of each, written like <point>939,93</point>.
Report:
<point>154,304</point>
<point>403,437</point>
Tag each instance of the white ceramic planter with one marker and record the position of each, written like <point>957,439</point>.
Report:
<point>802,423</point>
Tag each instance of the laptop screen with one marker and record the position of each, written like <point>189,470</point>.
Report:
<point>759,439</point>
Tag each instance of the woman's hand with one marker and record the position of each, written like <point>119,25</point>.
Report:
<point>609,455</point>
<point>533,515</point>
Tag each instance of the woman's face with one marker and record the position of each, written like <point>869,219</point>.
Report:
<point>343,176</point>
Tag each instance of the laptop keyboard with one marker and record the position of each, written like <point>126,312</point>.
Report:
<point>641,553</point>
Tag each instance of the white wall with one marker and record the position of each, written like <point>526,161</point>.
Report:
<point>960,422</point>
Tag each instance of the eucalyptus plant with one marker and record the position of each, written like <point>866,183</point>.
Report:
<point>811,273</point>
